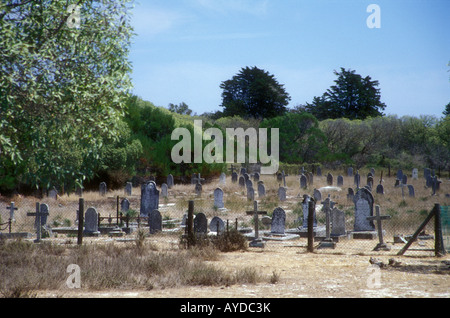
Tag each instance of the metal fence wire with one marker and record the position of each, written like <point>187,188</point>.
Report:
<point>339,214</point>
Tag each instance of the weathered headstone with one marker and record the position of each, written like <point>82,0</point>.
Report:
<point>256,176</point>
<point>234,177</point>
<point>405,179</point>
<point>249,183</point>
<point>243,171</point>
<point>278,221</point>
<point>128,188</point>
<point>303,182</point>
<point>261,190</point>
<point>149,198</point>
<point>250,193</point>
<point>329,179</point>
<point>38,215</point>
<point>242,181</point>
<point>380,189</point>
<point>411,191</point>
<point>11,209</point>
<point>327,242</point>
<point>340,181</point>
<point>310,178</point>
<point>415,174</point>
<point>218,198</point>
<point>170,182</point>
<point>53,193</point>
<point>124,205</point>
<point>399,174</point>
<point>282,193</point>
<point>337,222</point>
<point>103,189</point>
<point>44,215</point>
<point>319,172</point>
<point>155,222</point>
<point>317,195</point>
<point>357,179</point>
<point>350,194</point>
<point>350,172</point>
<point>216,222</point>
<point>222,178</point>
<point>363,201</point>
<point>200,224</point>
<point>257,241</point>
<point>164,190</point>
<point>305,206</point>
<point>91,222</point>
<point>198,189</point>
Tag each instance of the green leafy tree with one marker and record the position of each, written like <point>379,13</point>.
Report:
<point>255,93</point>
<point>182,109</point>
<point>353,97</point>
<point>63,78</point>
<point>447,110</point>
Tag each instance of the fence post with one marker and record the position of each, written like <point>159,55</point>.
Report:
<point>311,210</point>
<point>190,224</point>
<point>439,249</point>
<point>80,221</point>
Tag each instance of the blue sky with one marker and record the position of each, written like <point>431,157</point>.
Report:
<point>184,49</point>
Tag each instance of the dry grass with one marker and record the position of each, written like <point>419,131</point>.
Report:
<point>156,263</point>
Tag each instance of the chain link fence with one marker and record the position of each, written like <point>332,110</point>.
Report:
<point>282,222</point>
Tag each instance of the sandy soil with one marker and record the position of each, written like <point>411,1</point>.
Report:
<point>323,274</point>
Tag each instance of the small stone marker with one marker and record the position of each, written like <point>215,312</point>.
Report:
<point>198,189</point>
<point>128,188</point>
<point>330,179</point>
<point>217,225</point>
<point>317,195</point>
<point>200,224</point>
<point>242,181</point>
<point>415,174</point>
<point>278,221</point>
<point>381,246</point>
<point>261,190</point>
<point>337,223</point>
<point>218,198</point>
<point>170,182</point>
<point>53,193</point>
<point>340,181</point>
<point>380,189</point>
<point>164,190</point>
<point>234,177</point>
<point>91,222</point>
<point>124,205</point>
<point>155,222</point>
<point>250,193</point>
<point>303,182</point>
<point>411,191</point>
<point>222,179</point>
<point>282,193</point>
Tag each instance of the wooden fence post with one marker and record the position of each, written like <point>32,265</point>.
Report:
<point>80,221</point>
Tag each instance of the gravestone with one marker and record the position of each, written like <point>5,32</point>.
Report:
<point>317,195</point>
<point>426,173</point>
<point>305,206</point>
<point>370,181</point>
<point>357,179</point>
<point>350,194</point>
<point>256,176</point>
<point>222,178</point>
<point>415,174</point>
<point>372,171</point>
<point>149,198</point>
<point>337,222</point>
<point>350,172</point>
<point>257,241</point>
<point>246,176</point>
<point>91,222</point>
<point>261,190</point>
<point>329,179</point>
<point>282,193</point>
<point>11,209</point>
<point>250,193</point>
<point>327,242</point>
<point>429,180</point>
<point>216,221</point>
<point>103,189</point>
<point>310,178</point>
<point>405,179</point>
<point>380,189</point>
<point>218,198</point>
<point>234,177</point>
<point>319,172</point>
<point>198,189</point>
<point>303,182</point>
<point>249,183</point>
<point>399,174</point>
<point>242,181</point>
<point>128,188</point>
<point>243,171</point>
<point>278,221</point>
<point>411,191</point>
<point>164,190</point>
<point>53,194</point>
<point>340,181</point>
<point>124,205</point>
<point>39,214</point>
<point>363,201</point>
<point>200,224</point>
<point>170,182</point>
<point>155,222</point>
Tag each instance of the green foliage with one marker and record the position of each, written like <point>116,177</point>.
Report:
<point>352,97</point>
<point>300,137</point>
<point>255,93</point>
<point>61,87</point>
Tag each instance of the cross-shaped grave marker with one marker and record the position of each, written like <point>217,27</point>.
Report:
<point>257,242</point>
<point>381,245</point>
<point>327,242</point>
<point>198,179</point>
<point>38,214</point>
<point>11,209</point>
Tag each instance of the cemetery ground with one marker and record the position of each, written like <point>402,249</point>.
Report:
<point>158,266</point>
